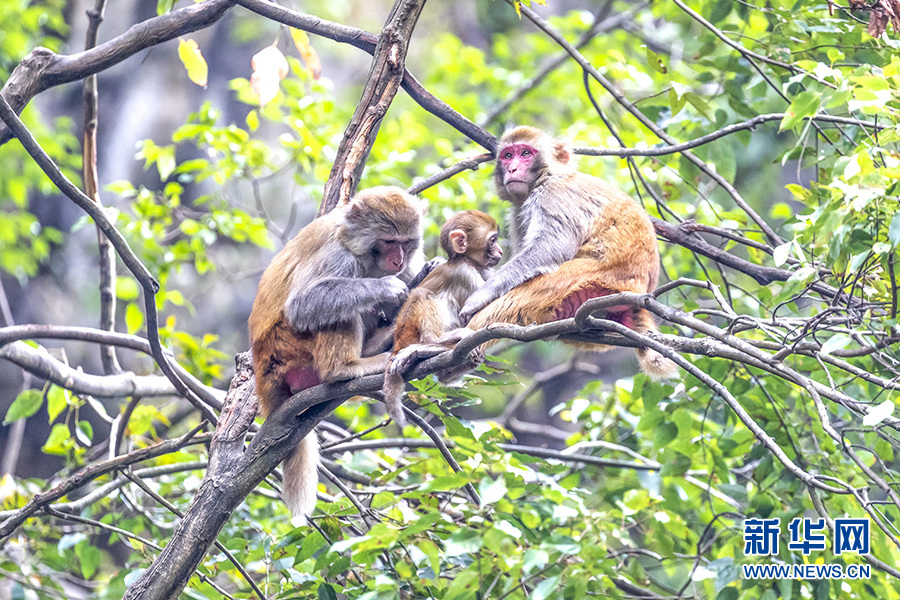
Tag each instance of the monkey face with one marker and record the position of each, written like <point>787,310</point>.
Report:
<point>517,164</point>
<point>391,254</point>
<point>493,252</point>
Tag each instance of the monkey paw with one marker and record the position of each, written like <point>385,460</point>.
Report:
<point>394,292</point>
<point>426,269</point>
<point>413,355</point>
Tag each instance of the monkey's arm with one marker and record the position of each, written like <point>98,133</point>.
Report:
<point>426,269</point>
<point>549,241</point>
<point>337,299</point>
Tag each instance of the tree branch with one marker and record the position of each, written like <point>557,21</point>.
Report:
<point>367,41</point>
<point>381,87</point>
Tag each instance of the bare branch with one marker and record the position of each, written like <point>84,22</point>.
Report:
<point>381,87</point>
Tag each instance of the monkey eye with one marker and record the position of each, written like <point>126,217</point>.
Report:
<point>507,155</point>
<point>526,152</point>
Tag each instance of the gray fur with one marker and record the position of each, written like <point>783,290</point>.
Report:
<point>544,230</point>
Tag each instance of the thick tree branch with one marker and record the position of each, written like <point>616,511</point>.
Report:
<point>39,362</point>
<point>381,87</point>
<point>43,69</point>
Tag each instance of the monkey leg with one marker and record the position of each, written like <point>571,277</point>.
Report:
<point>556,295</point>
<point>559,294</point>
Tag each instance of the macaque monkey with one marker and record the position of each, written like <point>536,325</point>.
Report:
<point>430,315</point>
<point>577,238</point>
<point>318,301</point>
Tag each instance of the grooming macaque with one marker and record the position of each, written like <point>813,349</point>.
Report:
<point>430,315</point>
<point>577,238</point>
<point>320,299</point>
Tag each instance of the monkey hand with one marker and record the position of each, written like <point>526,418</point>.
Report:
<point>393,291</point>
<point>426,269</point>
<point>481,298</point>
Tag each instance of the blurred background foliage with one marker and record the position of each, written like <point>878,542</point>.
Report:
<point>206,185</point>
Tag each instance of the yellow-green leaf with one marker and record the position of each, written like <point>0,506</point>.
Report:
<point>193,61</point>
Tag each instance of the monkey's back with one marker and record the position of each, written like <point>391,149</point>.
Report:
<point>620,237</point>
<point>271,335</point>
<point>432,309</point>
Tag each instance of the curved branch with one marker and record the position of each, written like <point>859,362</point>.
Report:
<point>39,362</point>
<point>209,394</point>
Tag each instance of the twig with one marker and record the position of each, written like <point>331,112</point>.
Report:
<point>107,256</point>
<point>469,163</point>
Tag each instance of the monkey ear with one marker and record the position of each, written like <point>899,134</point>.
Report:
<point>459,241</point>
<point>561,152</point>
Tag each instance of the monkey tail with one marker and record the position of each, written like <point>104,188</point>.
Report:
<point>653,364</point>
<point>301,476</point>
<point>392,390</point>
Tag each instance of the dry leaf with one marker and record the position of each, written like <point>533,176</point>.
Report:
<point>270,59</point>
<point>307,52</point>
<point>265,85</point>
<point>193,61</point>
<point>269,68</point>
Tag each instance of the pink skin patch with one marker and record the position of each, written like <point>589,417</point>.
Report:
<point>571,303</point>
<point>301,378</point>
<point>516,161</point>
<point>392,255</point>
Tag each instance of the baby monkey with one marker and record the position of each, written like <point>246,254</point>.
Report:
<point>430,316</point>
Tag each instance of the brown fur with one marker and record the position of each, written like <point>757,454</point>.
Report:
<point>339,246</point>
<point>432,309</point>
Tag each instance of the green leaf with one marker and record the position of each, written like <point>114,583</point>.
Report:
<point>782,253</point>
<point>57,401</point>
<point>545,588</point>
<point>25,405</point>
<point>89,557</point>
<point>58,442</point>
<point>804,105</point>
<point>134,318</point>
<point>164,6</point>
<point>464,585</point>
<point>835,342</point>
<point>326,592</point>
<point>894,230</point>
<point>463,541</point>
<point>126,289</point>
<point>491,490</point>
